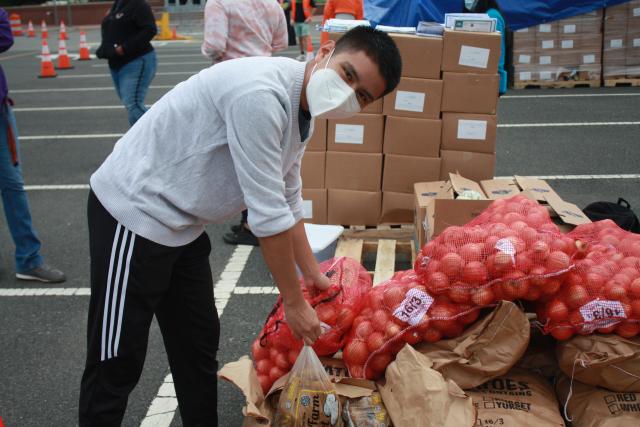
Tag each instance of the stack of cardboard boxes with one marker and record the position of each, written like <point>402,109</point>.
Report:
<point>440,119</point>
<point>622,41</point>
<point>568,49</point>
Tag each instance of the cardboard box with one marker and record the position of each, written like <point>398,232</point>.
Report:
<point>362,133</point>
<point>412,137</point>
<point>475,166</point>
<point>314,202</point>
<point>468,52</point>
<point>374,108</point>
<point>349,207</point>
<point>544,45</point>
<point>421,56</point>
<point>312,169</point>
<point>401,172</point>
<point>318,140</point>
<point>419,98</point>
<point>354,171</point>
<point>524,57</point>
<point>470,93</point>
<point>397,208</point>
<point>548,29</point>
<point>469,132</point>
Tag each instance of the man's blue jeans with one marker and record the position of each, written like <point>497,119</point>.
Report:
<point>14,199</point>
<point>132,81</point>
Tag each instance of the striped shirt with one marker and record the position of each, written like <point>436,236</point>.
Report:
<point>239,28</point>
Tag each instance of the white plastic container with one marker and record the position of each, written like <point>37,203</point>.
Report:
<point>323,239</point>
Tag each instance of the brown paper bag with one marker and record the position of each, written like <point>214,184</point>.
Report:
<point>540,356</point>
<point>517,399</point>
<point>418,396</point>
<point>608,361</point>
<point>488,349</point>
<point>590,406</point>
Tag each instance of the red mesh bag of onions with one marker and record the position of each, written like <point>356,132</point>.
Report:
<point>602,292</point>
<point>397,312</point>
<point>276,349</point>
<point>512,250</point>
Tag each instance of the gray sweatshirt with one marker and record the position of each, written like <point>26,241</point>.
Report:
<point>225,139</point>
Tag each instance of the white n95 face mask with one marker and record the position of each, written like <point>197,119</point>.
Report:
<point>330,97</point>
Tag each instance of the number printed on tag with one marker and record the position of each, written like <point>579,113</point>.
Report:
<point>601,314</point>
<point>415,305</point>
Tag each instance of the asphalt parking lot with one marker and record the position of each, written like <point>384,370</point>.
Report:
<point>584,141</point>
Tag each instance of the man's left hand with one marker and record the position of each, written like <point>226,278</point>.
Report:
<point>319,281</point>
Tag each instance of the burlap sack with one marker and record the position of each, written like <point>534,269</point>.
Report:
<point>590,406</point>
<point>517,399</point>
<point>488,349</point>
<point>608,361</point>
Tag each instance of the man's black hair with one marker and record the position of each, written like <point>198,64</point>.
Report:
<point>379,47</point>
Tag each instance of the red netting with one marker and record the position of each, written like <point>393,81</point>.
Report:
<point>602,292</point>
<point>276,349</point>
<point>396,312</point>
<point>510,251</point>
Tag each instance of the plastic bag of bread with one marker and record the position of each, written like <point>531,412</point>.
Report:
<point>588,406</point>
<point>309,397</point>
<point>368,411</point>
<point>608,361</point>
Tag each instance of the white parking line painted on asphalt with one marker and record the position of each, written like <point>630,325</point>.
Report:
<point>256,290</point>
<point>577,177</point>
<point>165,63</point>
<point>35,292</point>
<point>81,89</point>
<point>57,187</point>
<point>163,407</point>
<point>578,95</point>
<point>542,125</point>
<point>90,76</point>
<point>87,107</point>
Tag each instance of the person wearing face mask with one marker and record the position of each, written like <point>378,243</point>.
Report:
<point>491,8</point>
<point>229,137</point>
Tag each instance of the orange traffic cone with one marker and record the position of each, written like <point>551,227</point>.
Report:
<point>310,54</point>
<point>63,31</point>
<point>46,66</point>
<point>84,48</point>
<point>16,25</point>
<point>43,29</point>
<point>30,31</point>
<point>64,63</point>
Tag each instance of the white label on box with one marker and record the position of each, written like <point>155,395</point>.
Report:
<point>616,43</point>
<point>350,134</point>
<point>525,76</point>
<point>589,59</point>
<point>477,57</point>
<point>410,101</point>
<point>548,44</point>
<point>602,314</point>
<point>636,42</point>
<point>545,60</point>
<point>570,28</point>
<point>636,11</point>
<point>544,28</point>
<point>414,307</point>
<point>545,75</point>
<point>307,209</point>
<point>522,30</point>
<point>524,59</point>
<point>567,44</point>
<point>472,129</point>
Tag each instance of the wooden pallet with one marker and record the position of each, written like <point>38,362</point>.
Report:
<point>385,242</point>
<point>621,82</point>
<point>553,84</point>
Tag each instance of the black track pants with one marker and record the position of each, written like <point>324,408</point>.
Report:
<point>133,279</point>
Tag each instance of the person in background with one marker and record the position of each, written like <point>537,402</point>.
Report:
<point>301,13</point>
<point>127,30</point>
<point>286,6</point>
<point>29,263</point>
<point>491,8</point>
<point>236,29</point>
<point>340,9</point>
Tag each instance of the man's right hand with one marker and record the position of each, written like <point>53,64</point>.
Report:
<point>303,321</point>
